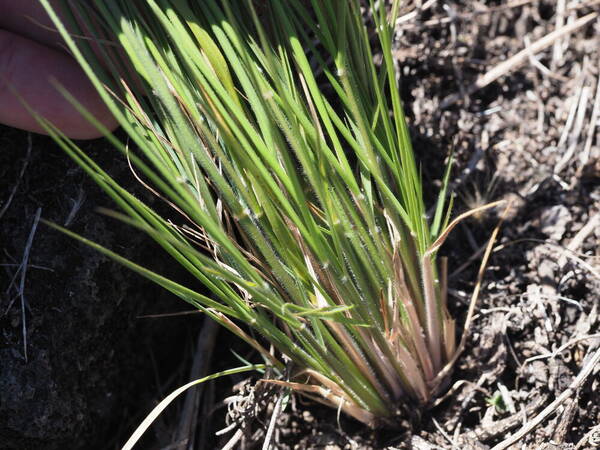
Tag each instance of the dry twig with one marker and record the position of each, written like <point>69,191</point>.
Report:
<point>551,408</point>
<point>585,154</point>
<point>516,60</point>
<point>578,239</point>
<point>204,349</point>
<point>24,265</point>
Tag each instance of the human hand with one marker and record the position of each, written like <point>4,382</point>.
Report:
<point>31,57</point>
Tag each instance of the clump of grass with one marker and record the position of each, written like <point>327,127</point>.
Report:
<point>284,152</point>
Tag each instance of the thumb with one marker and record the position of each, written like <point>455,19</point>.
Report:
<point>26,70</point>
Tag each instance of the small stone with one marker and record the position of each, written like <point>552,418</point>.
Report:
<point>308,417</point>
<point>545,269</point>
<point>554,221</point>
<point>538,372</point>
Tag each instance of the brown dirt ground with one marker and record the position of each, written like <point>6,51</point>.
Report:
<point>531,137</point>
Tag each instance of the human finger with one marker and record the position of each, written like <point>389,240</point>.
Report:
<point>29,19</point>
<point>27,70</point>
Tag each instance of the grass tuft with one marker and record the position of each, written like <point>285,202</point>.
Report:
<point>297,201</point>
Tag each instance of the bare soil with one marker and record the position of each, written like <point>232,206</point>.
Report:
<point>530,136</point>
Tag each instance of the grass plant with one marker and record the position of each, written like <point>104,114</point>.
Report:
<point>284,153</point>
